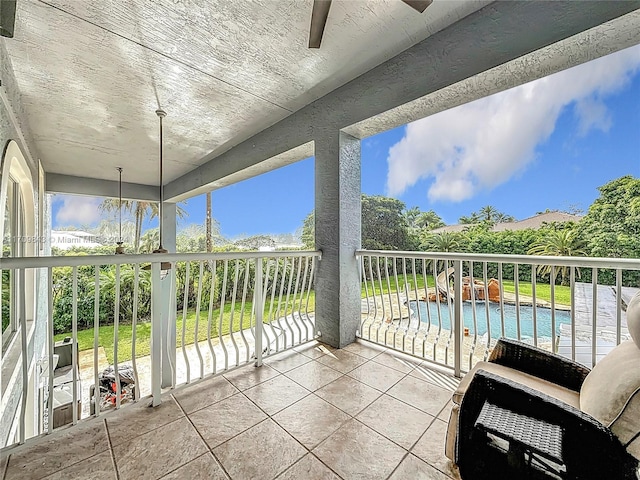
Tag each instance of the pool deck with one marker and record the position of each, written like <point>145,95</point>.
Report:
<point>607,305</point>
<point>580,348</point>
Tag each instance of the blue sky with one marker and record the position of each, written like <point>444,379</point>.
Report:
<point>546,144</point>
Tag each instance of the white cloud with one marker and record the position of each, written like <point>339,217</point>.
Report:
<point>77,210</point>
<point>592,113</point>
<point>482,144</point>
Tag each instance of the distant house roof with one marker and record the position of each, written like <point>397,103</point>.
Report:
<point>79,233</point>
<point>534,222</point>
<point>66,239</point>
<point>537,221</point>
<point>452,228</point>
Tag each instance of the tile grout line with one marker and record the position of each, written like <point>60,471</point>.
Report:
<point>260,382</point>
<point>111,452</point>
<point>385,392</point>
<point>392,351</point>
<point>442,410</point>
<point>393,441</point>
<point>320,460</point>
<point>259,408</point>
<point>42,439</point>
<point>201,438</point>
<point>302,353</point>
<point>407,452</point>
<point>139,402</point>
<point>342,374</point>
<point>309,451</point>
<point>404,457</point>
<point>206,406</point>
<point>363,408</point>
<point>284,408</point>
<point>367,360</point>
<point>221,400</point>
<point>350,417</point>
<point>272,364</point>
<point>453,386</point>
<point>247,429</point>
<point>417,408</point>
<point>435,419</point>
<point>311,393</point>
<point>410,450</point>
<point>354,417</point>
<point>307,388</point>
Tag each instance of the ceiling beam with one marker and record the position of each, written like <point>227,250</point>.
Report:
<point>492,36</point>
<point>68,184</point>
<point>607,38</point>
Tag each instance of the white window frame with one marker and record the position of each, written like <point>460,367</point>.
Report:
<point>16,177</point>
<point>14,209</point>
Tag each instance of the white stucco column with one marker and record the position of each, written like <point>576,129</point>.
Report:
<point>169,226</point>
<point>168,316</point>
<point>337,227</point>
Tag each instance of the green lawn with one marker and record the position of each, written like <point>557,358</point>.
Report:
<point>143,329</point>
<point>371,286</point>
<point>543,291</point>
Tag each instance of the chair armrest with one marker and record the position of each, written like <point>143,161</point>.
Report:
<point>539,363</point>
<point>589,449</point>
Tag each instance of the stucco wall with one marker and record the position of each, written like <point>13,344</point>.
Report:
<point>8,132</point>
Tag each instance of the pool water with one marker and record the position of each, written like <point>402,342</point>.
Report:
<point>543,318</point>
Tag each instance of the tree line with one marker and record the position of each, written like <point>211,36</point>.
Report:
<point>610,228</point>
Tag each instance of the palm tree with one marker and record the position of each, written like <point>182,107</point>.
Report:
<point>140,211</point>
<point>208,224</point>
<point>504,218</point>
<point>559,243</point>
<point>150,240</point>
<point>411,216</point>
<point>108,285</point>
<point>488,214</point>
<point>442,242</point>
<point>112,205</point>
<point>429,220</point>
<point>473,218</point>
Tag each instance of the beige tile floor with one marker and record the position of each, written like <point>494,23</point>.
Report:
<point>362,412</point>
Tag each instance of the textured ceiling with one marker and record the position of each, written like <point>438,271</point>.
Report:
<point>92,73</point>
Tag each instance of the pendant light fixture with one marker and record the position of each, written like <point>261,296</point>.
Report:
<point>120,247</point>
<point>165,266</point>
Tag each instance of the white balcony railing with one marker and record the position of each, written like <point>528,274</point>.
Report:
<point>450,308</point>
<point>143,323</point>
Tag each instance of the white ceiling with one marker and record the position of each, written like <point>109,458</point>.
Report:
<point>92,73</point>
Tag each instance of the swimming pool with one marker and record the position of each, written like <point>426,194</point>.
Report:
<point>543,318</point>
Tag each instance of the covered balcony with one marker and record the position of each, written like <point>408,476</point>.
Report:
<point>311,412</point>
<point>332,363</point>
<point>250,392</point>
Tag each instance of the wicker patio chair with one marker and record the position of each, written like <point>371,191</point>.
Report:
<point>531,414</point>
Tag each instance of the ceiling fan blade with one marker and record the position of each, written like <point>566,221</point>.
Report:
<point>419,5</point>
<point>7,17</point>
<point>318,21</point>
